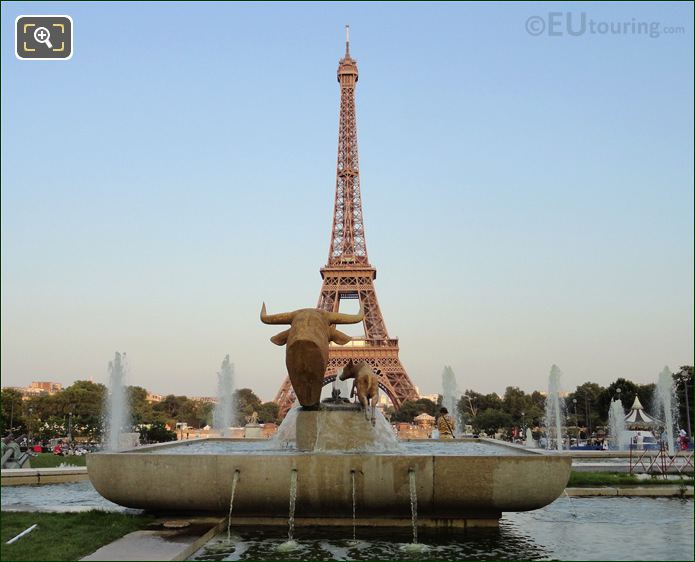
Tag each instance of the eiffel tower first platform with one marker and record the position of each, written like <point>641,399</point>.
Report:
<point>348,273</point>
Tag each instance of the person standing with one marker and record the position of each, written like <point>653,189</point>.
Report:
<point>683,440</point>
<point>639,440</point>
<point>445,424</point>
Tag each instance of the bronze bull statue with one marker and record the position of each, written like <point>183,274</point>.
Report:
<point>366,386</point>
<point>307,346</point>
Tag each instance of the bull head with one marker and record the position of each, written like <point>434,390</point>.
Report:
<point>307,346</point>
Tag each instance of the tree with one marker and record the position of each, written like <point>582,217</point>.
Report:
<point>85,401</point>
<point>536,410</point>
<point>156,433</point>
<point>588,404</point>
<point>491,420</point>
<point>174,409</point>
<point>206,413</point>
<point>141,410</point>
<point>406,412</point>
<point>246,403</point>
<point>171,407</point>
<point>646,394</point>
<point>427,406</point>
<point>514,401</point>
<point>53,426</point>
<point>538,399</point>
<point>472,402</point>
<point>526,410</point>
<point>410,409</point>
<point>189,412</point>
<point>684,387</point>
<point>39,410</point>
<point>468,405</point>
<point>628,391</point>
<point>268,412</point>
<point>11,409</point>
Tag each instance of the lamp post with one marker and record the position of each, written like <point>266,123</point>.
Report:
<point>587,411</point>
<point>31,419</point>
<point>576,420</point>
<point>70,427</point>
<point>684,380</point>
<point>523,425</point>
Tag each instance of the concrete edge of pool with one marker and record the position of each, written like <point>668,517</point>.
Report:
<point>35,476</point>
<point>451,490</point>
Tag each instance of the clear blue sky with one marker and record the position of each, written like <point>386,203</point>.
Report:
<point>528,200</point>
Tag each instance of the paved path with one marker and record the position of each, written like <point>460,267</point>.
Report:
<point>19,476</point>
<point>162,543</point>
<point>654,491</point>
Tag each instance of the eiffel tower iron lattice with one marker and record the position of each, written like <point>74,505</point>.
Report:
<point>348,273</point>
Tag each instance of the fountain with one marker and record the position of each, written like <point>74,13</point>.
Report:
<point>354,510</point>
<point>252,429</point>
<point>117,421</point>
<point>414,547</point>
<point>290,544</point>
<point>450,393</point>
<point>530,441</point>
<point>235,480</point>
<point>413,502</point>
<point>554,409</point>
<point>498,477</point>
<point>667,406</point>
<point>460,483</point>
<point>573,511</point>
<point>224,415</point>
<point>616,425</point>
<point>322,446</point>
<point>293,502</point>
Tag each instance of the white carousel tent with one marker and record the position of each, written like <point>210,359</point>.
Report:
<point>424,418</point>
<point>637,418</point>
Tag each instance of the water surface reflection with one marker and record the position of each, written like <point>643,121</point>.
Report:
<point>603,529</point>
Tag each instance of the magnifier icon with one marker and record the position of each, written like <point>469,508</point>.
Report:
<point>42,35</point>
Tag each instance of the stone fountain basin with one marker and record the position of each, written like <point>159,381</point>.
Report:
<point>450,486</point>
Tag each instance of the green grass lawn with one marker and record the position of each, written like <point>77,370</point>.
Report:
<point>593,479</point>
<point>49,460</point>
<point>64,536</point>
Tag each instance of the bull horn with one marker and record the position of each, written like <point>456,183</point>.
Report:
<point>283,318</point>
<point>340,318</point>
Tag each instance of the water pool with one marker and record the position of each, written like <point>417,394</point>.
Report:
<point>76,496</point>
<point>585,529</point>
<point>271,447</point>
<point>579,529</point>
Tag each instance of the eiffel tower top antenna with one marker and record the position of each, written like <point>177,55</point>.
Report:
<point>348,246</point>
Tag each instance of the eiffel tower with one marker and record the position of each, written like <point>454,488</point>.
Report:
<point>348,273</point>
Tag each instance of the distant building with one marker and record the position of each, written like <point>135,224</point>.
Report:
<point>40,388</point>
<point>424,419</point>
<point>19,389</point>
<point>433,397</point>
<point>151,397</point>
<point>204,399</point>
<point>544,394</point>
<point>49,387</point>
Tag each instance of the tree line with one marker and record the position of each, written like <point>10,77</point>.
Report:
<point>80,410</point>
<point>587,406</point>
